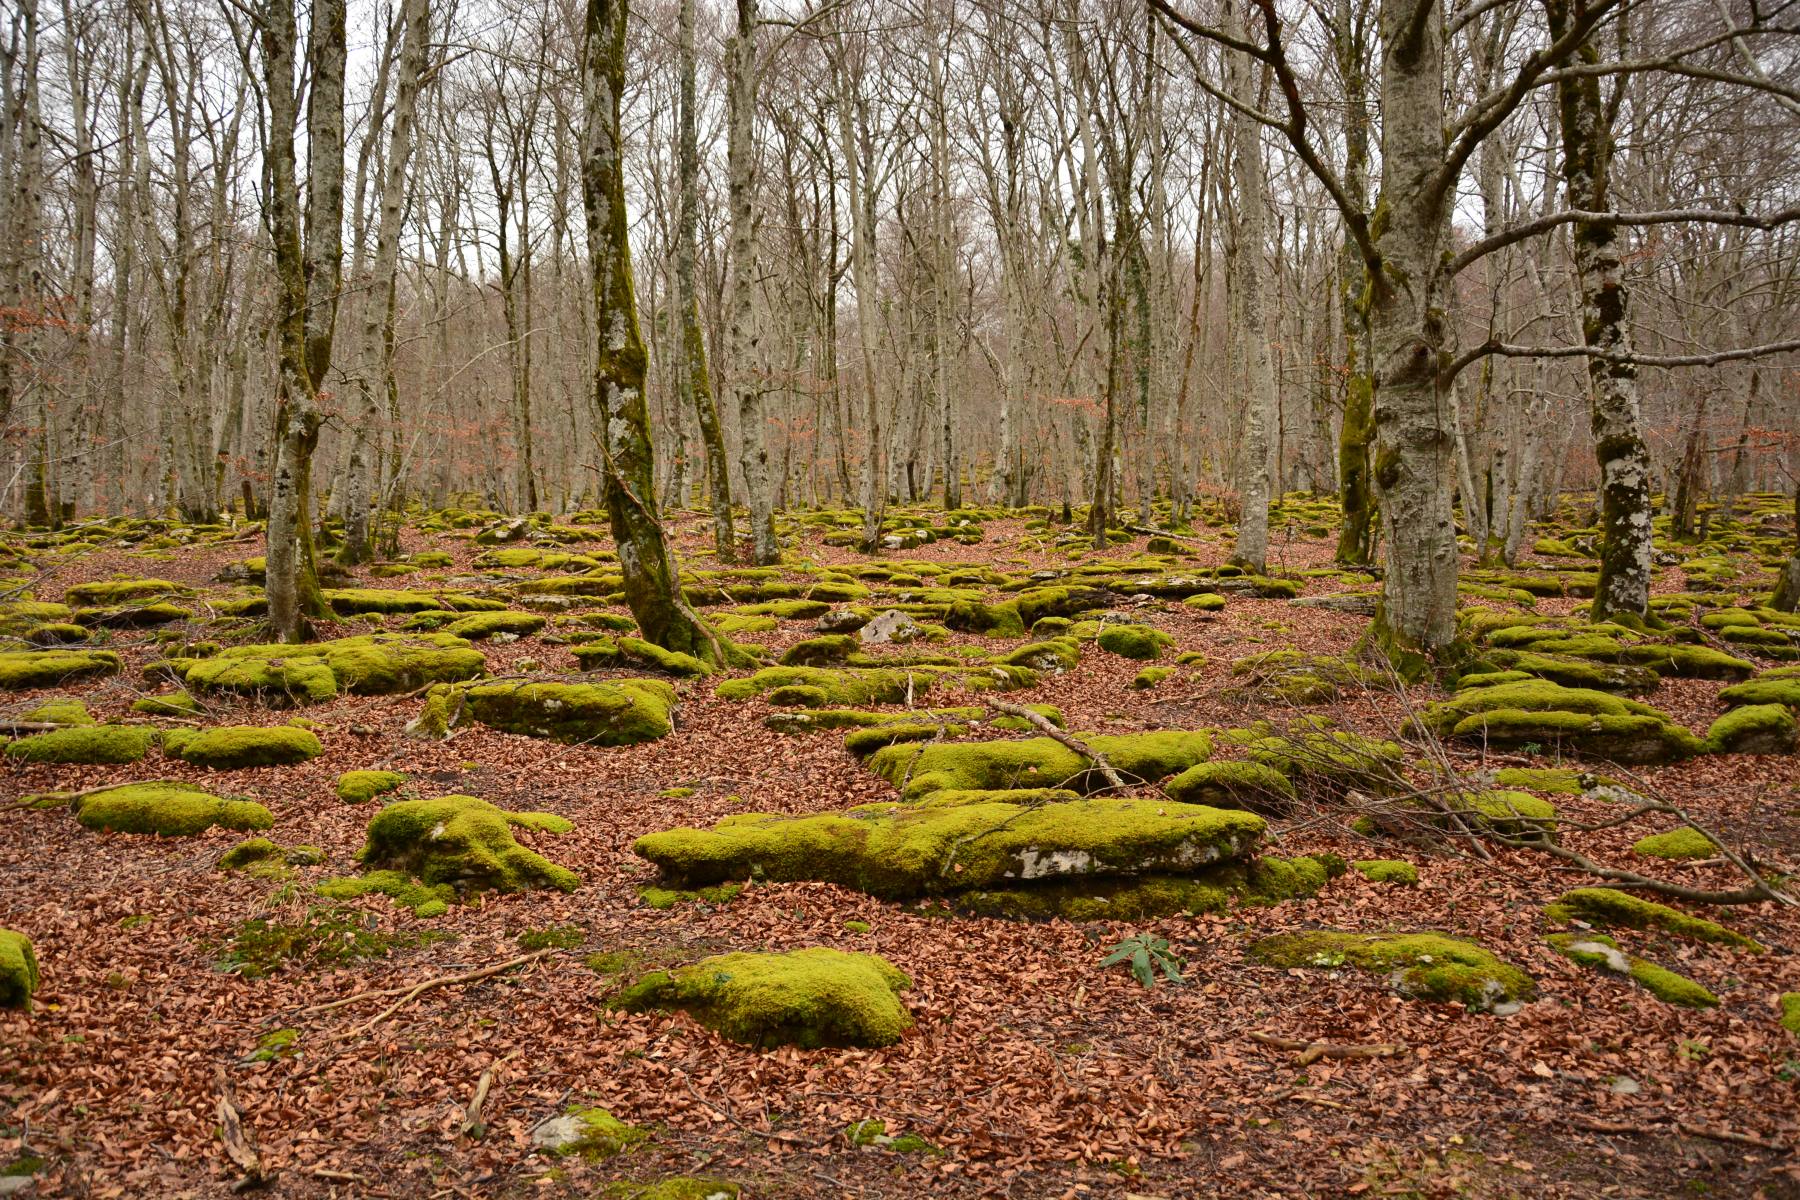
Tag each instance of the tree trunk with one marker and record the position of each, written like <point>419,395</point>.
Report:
<point>1252,548</point>
<point>621,416</point>
<point>1356,434</point>
<point>742,334</point>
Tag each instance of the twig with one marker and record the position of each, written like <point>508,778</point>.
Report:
<point>472,1125</point>
<point>1042,724</point>
<point>413,990</point>
<point>239,1145</point>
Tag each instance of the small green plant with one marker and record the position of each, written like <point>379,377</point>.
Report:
<point>555,937</point>
<point>1692,1051</point>
<point>1146,955</point>
<point>327,936</point>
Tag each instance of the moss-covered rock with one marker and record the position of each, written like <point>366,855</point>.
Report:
<point>1610,908</point>
<point>464,843</point>
<point>1387,870</point>
<point>1296,678</point>
<point>260,852</point>
<point>1253,883</point>
<point>84,744</point>
<point>477,626</point>
<point>808,998</point>
<point>1754,729</point>
<point>1149,677</point>
<point>592,1133</point>
<point>1778,686</point>
<point>1235,784</point>
<point>1134,641</point>
<point>680,1187</point>
<point>1429,966</point>
<point>1538,712</point>
<point>619,712</point>
<point>178,703</point>
<point>231,747</point>
<point>667,662</point>
<point>167,808</point>
<point>1600,952</point>
<point>1329,762</point>
<point>20,669</point>
<point>900,852</point>
<point>18,970</point>
<point>820,687</point>
<point>360,787</point>
<point>1789,1004</point>
<point>1684,843</point>
<point>1684,660</point>
<point>117,591</point>
<point>350,602</point>
<point>1036,762</point>
<point>377,664</point>
<point>62,710</point>
<point>1505,811</point>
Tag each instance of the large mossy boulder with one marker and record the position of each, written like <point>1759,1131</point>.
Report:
<point>1427,966</point>
<point>18,970</point>
<point>231,747</point>
<point>618,712</point>
<point>826,687</point>
<point>465,844</point>
<point>903,852</point>
<point>921,769</point>
<point>104,592</point>
<point>85,744</point>
<point>167,808</point>
<point>376,664</point>
<point>1236,784</point>
<point>1754,729</point>
<point>1580,720</point>
<point>20,669</point>
<point>809,998</point>
<point>1249,882</point>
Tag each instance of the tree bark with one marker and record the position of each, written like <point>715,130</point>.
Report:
<point>1252,548</point>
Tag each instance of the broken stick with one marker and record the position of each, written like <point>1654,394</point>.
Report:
<point>1042,724</point>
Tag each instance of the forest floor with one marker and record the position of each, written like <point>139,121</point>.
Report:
<point>1030,1070</point>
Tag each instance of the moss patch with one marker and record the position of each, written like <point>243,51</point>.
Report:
<point>18,970</point>
<point>1429,966</point>
<point>461,843</point>
<point>809,998</point>
<point>1036,762</point>
<point>620,712</point>
<point>1387,870</point>
<point>1684,843</point>
<point>1134,641</point>
<point>84,744</point>
<point>21,669</point>
<point>1236,784</point>
<point>1582,720</point>
<point>360,787</point>
<point>1613,909</point>
<point>232,747</point>
<point>1600,952</point>
<point>167,808</point>
<point>1754,729</point>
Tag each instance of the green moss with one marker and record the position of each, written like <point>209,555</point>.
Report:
<point>1325,760</point>
<point>360,787</point>
<point>84,744</point>
<point>856,926</point>
<point>349,602</point>
<point>1149,677</point>
<point>809,998</point>
<point>1564,781</point>
<point>63,711</point>
<point>594,1133</point>
<point>1583,720</point>
<point>1387,870</point>
<point>425,900</point>
<point>667,662</point>
<point>231,747</point>
<point>1770,687</point>
<point>1754,729</point>
<point>1036,762</point>
<point>903,852</point>
<point>1507,812</point>
<point>619,712</point>
<point>1429,966</point>
<point>477,626</point>
<point>1613,909</point>
<point>663,899</point>
<point>167,808</point>
<point>177,703</point>
<point>250,853</point>
<point>682,1187</point>
<point>1134,641</point>
<point>1790,1012</point>
<point>21,669</point>
<point>1205,602</point>
<point>1054,655</point>
<point>1256,882</point>
<point>1687,661</point>
<point>1684,843</point>
<point>1235,784</point>
<point>821,651</point>
<point>827,687</point>
<point>465,843</point>
<point>132,616</point>
<point>117,591</point>
<point>864,742</point>
<point>1602,953</point>
<point>18,970</point>
<point>555,937</point>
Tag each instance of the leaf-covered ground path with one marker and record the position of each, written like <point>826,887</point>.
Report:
<point>1031,1071</point>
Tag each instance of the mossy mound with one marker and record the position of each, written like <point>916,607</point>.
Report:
<point>132,616</point>
<point>1255,883</point>
<point>1428,966</point>
<point>1754,729</point>
<point>177,703</point>
<point>231,747</point>
<point>1387,870</point>
<point>1610,908</point>
<point>117,591</point>
<point>463,843</point>
<point>350,602</point>
<point>619,712</point>
<point>1235,784</point>
<point>1779,686</point>
<point>1789,1004</point>
<point>379,664</point>
<point>1684,843</point>
<point>667,662</point>
<point>1505,811</point>
<point>820,687</point>
<point>821,651</point>
<point>260,852</point>
<point>901,852</point>
<point>1537,712</point>
<point>1323,761</point>
<point>1011,618</point>
<point>61,711</point>
<point>20,669</point>
<point>360,787</point>
<point>809,998</point>
<point>84,744</point>
<point>1296,678</point>
<point>1149,677</point>
<point>18,970</point>
<point>1037,762</point>
<point>1565,781</point>
<point>1574,671</point>
<point>477,626</point>
<point>1602,953</point>
<point>167,808</point>
<point>592,1133</point>
<point>1134,641</point>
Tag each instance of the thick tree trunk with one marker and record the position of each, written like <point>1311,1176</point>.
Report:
<point>621,416</point>
<point>1356,432</point>
<point>742,333</point>
<point>1252,548</point>
<point>861,190</point>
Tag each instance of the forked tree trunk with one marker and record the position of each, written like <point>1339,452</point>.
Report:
<point>621,416</point>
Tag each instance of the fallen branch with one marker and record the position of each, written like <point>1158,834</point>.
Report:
<point>1042,724</point>
<point>472,1126</point>
<point>412,991</point>
<point>239,1146</point>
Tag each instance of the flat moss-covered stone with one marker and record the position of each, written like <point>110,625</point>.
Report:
<point>378,664</point>
<point>618,712</point>
<point>1685,660</point>
<point>821,687</point>
<point>1684,843</point>
<point>667,662</point>
<point>231,747</point>
<point>18,970</point>
<point>1387,870</point>
<point>1134,641</point>
<point>465,843</point>
<point>349,602</point>
<point>1613,909</point>
<point>167,808</point>
<point>20,669</point>
<point>1236,784</point>
<point>1252,883</point>
<point>1581,720</point>
<point>132,616</point>
<point>1428,966</point>
<point>84,744</point>
<point>117,591</point>
<point>261,852</point>
<point>1754,729</point>
<point>592,1133</point>
<point>360,787</point>
<point>1037,762</point>
<point>680,1187</point>
<point>65,710</point>
<point>1779,686</point>
<point>177,703</point>
<point>1600,952</point>
<point>477,626</point>
<point>1325,760</point>
<point>1574,671</point>
<point>901,852</point>
<point>809,998</point>
<point>1293,677</point>
<point>1506,811</point>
